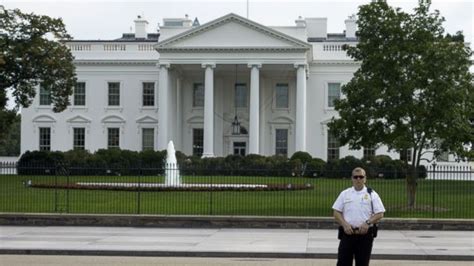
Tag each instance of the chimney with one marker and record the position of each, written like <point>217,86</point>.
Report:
<point>317,28</point>
<point>300,22</point>
<point>187,22</point>
<point>351,27</point>
<point>140,27</point>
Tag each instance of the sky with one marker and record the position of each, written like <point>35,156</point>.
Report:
<point>108,19</point>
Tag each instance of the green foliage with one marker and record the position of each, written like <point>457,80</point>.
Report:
<point>32,53</point>
<point>413,88</point>
<point>304,157</point>
<point>10,133</point>
<point>116,162</point>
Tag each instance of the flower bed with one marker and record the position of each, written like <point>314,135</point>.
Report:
<point>184,187</point>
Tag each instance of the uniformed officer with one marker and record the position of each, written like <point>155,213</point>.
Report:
<point>356,210</point>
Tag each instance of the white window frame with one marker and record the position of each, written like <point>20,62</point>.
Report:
<point>149,107</point>
<point>290,86</point>
<point>326,140</point>
<point>73,104</point>
<point>43,106</point>
<point>114,107</point>
<point>287,139</point>
<point>247,100</point>
<point>50,137</point>
<point>107,136</point>
<point>192,95</point>
<point>326,93</point>
<point>154,137</point>
<point>85,134</point>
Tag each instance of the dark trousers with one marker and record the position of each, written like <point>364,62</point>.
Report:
<point>358,246</point>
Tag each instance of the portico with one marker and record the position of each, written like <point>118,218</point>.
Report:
<point>236,61</point>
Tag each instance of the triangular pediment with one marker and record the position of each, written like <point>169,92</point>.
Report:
<point>231,32</point>
<point>78,119</point>
<point>147,120</point>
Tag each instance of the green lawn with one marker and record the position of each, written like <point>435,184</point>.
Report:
<point>451,199</point>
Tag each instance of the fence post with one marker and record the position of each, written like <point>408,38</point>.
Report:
<point>210,196</point>
<point>55,191</point>
<point>140,175</point>
<point>433,191</point>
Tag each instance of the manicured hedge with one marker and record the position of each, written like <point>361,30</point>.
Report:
<point>125,162</point>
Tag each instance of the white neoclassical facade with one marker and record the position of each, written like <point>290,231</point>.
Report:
<point>191,83</point>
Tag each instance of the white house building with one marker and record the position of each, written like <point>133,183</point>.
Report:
<point>192,83</point>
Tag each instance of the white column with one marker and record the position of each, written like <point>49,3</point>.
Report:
<point>179,117</point>
<point>208,149</point>
<point>163,107</point>
<point>300,135</point>
<point>254,116</point>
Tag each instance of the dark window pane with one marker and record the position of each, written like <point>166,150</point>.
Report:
<point>79,138</point>
<point>281,94</point>
<point>80,94</point>
<point>148,139</point>
<point>198,95</point>
<point>114,94</point>
<point>198,141</point>
<point>281,144</point>
<point>113,137</point>
<point>44,139</point>
<point>148,94</point>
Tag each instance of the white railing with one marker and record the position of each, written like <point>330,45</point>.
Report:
<point>79,47</point>
<point>146,47</point>
<point>332,47</point>
<point>115,47</point>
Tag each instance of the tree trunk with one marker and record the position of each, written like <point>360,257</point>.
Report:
<point>411,187</point>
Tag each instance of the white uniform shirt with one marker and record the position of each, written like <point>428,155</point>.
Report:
<point>355,205</point>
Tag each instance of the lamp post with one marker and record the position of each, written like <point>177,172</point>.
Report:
<point>235,123</point>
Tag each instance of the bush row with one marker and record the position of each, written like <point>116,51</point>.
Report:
<point>125,162</point>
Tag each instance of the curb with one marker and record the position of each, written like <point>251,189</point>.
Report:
<point>210,254</point>
<point>40,219</point>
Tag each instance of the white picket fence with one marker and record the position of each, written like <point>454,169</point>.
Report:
<point>8,165</point>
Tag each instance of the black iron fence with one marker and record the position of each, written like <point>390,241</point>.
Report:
<point>445,192</point>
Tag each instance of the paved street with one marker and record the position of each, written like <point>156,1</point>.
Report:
<point>32,260</point>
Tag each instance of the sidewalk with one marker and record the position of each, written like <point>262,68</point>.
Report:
<point>276,243</point>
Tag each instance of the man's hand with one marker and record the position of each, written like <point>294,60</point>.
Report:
<point>363,228</point>
<point>348,229</point>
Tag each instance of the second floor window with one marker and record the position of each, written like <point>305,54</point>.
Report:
<point>45,96</point>
<point>114,94</point>
<point>240,95</point>
<point>334,93</point>
<point>281,95</point>
<point>148,94</point>
<point>80,94</point>
<point>198,95</point>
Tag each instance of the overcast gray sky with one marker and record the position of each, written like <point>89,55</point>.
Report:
<point>107,19</point>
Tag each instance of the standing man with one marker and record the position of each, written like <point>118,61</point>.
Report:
<point>356,210</point>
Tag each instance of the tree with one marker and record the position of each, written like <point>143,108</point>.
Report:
<point>413,89</point>
<point>32,53</point>
<point>10,142</point>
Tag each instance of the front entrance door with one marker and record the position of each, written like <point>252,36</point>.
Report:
<point>240,148</point>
